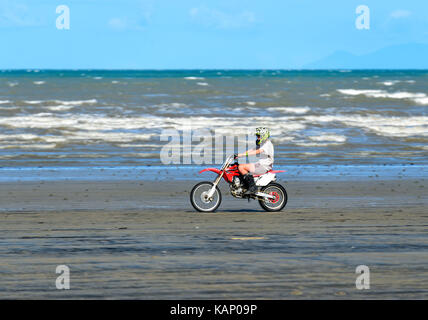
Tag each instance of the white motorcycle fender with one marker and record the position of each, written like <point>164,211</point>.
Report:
<point>265,179</point>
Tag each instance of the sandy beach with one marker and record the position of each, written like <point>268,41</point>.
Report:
<point>143,240</point>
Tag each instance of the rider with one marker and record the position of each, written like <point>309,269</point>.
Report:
<point>264,147</point>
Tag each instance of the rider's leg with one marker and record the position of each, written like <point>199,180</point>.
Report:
<point>256,169</point>
<point>252,188</point>
<point>245,168</point>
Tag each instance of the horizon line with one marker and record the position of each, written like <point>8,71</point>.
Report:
<point>215,69</point>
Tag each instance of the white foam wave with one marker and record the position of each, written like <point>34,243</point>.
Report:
<point>39,82</point>
<point>422,101</point>
<point>115,137</point>
<point>171,105</point>
<point>312,154</point>
<point>12,84</point>
<point>29,146</point>
<point>294,110</point>
<point>194,78</point>
<point>77,137</point>
<point>128,145</point>
<point>390,83</point>
<point>323,140</point>
<point>24,136</point>
<point>354,92</point>
<point>317,144</point>
<point>399,95</point>
<point>329,137</point>
<point>33,101</point>
<point>250,103</point>
<point>138,155</point>
<point>62,102</point>
<point>385,126</point>
<point>420,98</point>
<point>4,101</point>
<point>281,139</point>
<point>60,108</point>
<point>76,102</point>
<point>202,84</point>
<point>9,108</point>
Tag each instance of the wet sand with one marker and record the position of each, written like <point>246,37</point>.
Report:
<point>143,240</point>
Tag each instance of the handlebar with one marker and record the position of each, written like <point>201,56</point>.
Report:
<point>228,162</point>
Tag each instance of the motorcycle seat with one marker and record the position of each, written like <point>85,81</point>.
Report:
<point>270,171</point>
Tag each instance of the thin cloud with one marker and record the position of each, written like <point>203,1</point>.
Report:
<point>398,14</point>
<point>16,15</point>
<point>118,23</point>
<point>123,23</point>
<point>138,21</point>
<point>221,20</point>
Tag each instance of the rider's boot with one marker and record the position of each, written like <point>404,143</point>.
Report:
<point>249,179</point>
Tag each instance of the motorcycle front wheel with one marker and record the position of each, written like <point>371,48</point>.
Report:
<point>199,199</point>
<point>280,200</point>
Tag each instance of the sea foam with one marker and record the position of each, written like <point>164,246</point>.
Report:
<point>194,78</point>
<point>295,110</point>
<point>329,137</point>
<point>62,102</point>
<point>419,98</point>
<point>384,126</point>
<point>60,108</point>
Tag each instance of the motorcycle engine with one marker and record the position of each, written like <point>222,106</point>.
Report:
<point>236,182</point>
<point>236,187</point>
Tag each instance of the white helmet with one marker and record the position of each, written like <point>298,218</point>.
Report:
<point>263,134</point>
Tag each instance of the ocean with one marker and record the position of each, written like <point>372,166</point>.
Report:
<point>65,123</point>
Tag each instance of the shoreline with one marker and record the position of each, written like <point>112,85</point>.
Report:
<point>348,172</point>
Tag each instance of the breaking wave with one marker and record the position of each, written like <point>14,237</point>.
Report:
<point>419,98</point>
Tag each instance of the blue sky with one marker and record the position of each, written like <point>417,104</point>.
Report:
<point>194,34</point>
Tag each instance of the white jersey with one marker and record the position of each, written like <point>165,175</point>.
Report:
<point>266,156</point>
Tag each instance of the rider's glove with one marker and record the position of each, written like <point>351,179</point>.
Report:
<point>235,156</point>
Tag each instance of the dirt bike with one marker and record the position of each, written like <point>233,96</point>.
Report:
<point>206,196</point>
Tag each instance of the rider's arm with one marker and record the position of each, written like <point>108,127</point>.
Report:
<point>250,152</point>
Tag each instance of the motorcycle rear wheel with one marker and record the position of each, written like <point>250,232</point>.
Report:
<point>281,198</point>
<point>198,197</point>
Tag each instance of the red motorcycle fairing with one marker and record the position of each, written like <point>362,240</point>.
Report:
<point>233,171</point>
<point>211,169</point>
<point>228,174</point>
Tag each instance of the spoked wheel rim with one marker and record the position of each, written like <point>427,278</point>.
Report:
<point>276,195</point>
<point>278,199</point>
<point>200,198</point>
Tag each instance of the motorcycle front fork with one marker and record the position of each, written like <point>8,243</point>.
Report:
<point>215,183</point>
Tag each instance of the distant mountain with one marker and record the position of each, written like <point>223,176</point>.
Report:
<point>409,56</point>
